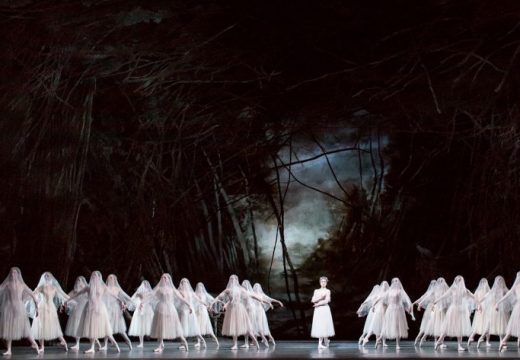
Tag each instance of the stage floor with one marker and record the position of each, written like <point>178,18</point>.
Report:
<point>283,350</point>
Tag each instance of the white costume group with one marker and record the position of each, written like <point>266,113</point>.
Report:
<point>96,311</point>
<point>447,312</point>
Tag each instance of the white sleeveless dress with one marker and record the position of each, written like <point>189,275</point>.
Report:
<point>322,324</point>
<point>46,326</point>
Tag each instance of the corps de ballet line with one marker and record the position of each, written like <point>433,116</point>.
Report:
<point>96,311</point>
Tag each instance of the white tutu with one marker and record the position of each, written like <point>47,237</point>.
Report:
<point>479,322</point>
<point>236,320</point>
<point>426,319</point>
<point>513,326</point>
<point>95,323</point>
<point>457,322</point>
<point>395,325</point>
<point>165,323</point>
<point>368,321</point>
<point>496,321</point>
<point>261,321</point>
<point>46,326</point>
<point>322,325</point>
<point>115,315</point>
<point>204,320</point>
<point>436,324</point>
<point>189,321</point>
<point>376,324</point>
<point>141,324</point>
<point>74,321</point>
<point>14,323</point>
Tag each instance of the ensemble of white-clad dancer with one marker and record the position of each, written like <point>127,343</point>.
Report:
<point>447,312</point>
<point>96,311</point>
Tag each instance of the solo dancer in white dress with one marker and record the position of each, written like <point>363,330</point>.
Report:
<point>378,314</point>
<point>477,327</point>
<point>322,325</point>
<point>457,322</point>
<point>513,325</point>
<point>141,324</point>
<point>202,311</point>
<point>395,325</point>
<point>261,311</point>
<point>189,321</point>
<point>236,319</point>
<point>95,323</point>
<point>425,302</point>
<point>14,323</point>
<point>495,322</point>
<point>166,324</point>
<point>46,325</point>
<point>364,311</point>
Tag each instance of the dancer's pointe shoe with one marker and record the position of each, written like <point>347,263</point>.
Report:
<point>158,349</point>
<point>327,342</point>
<point>89,351</point>
<point>74,347</point>
<point>245,346</point>
<point>365,341</point>
<point>140,345</point>
<point>478,343</point>
<point>444,346</point>
<point>360,341</point>
<point>118,349</point>
<point>64,344</point>
<point>397,347</point>
<point>196,345</point>
<point>234,347</point>
<point>488,344</point>
<point>436,346</point>
<point>502,346</point>
<point>385,345</point>
<point>470,340</point>
<point>7,353</point>
<point>129,345</point>
<point>266,343</point>
<point>321,346</point>
<point>103,348</point>
<point>460,348</point>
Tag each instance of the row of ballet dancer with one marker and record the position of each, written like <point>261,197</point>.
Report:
<point>96,311</point>
<point>447,312</point>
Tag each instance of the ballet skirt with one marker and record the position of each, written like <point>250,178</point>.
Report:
<point>165,323</point>
<point>46,326</point>
<point>322,324</point>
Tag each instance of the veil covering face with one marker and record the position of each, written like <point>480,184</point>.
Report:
<point>14,280</point>
<point>115,289</point>
<point>428,296</point>
<point>47,279</point>
<point>258,291</point>
<point>207,298</point>
<point>482,288</point>
<point>79,285</point>
<point>497,292</point>
<point>367,303</point>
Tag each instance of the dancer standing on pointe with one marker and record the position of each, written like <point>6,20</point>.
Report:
<point>116,304</point>
<point>189,321</point>
<point>438,312</point>
<point>513,325</point>
<point>14,323</point>
<point>202,312</point>
<point>495,322</point>
<point>251,309</point>
<point>236,319</point>
<point>46,325</point>
<point>364,310</point>
<point>95,323</point>
<point>75,311</point>
<point>478,324</point>
<point>425,302</point>
<point>166,324</point>
<point>395,325</point>
<point>378,313</point>
<point>263,325</point>
<point>141,324</point>
<point>457,322</point>
<point>322,324</point>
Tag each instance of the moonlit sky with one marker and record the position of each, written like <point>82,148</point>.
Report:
<point>309,215</point>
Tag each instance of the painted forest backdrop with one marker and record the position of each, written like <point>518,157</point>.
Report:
<point>276,140</point>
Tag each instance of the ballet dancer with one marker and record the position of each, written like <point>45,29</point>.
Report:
<point>322,324</point>
<point>188,317</point>
<point>364,311</point>
<point>495,321</point>
<point>263,325</point>
<point>477,327</point>
<point>141,324</point>
<point>202,312</point>
<point>378,313</point>
<point>425,302</point>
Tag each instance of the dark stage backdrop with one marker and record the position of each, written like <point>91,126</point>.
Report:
<point>280,141</point>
